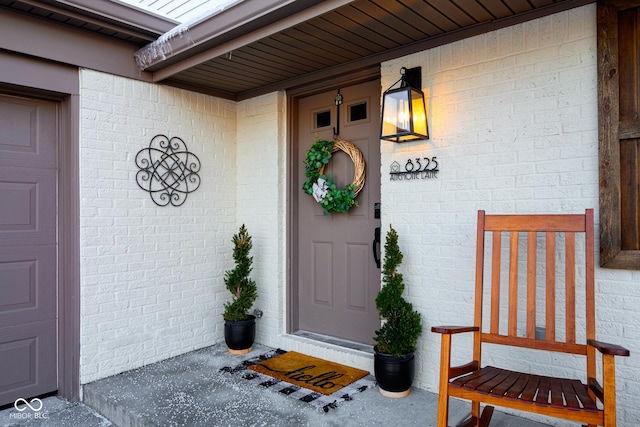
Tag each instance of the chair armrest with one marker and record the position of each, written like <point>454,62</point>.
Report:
<point>606,348</point>
<point>453,329</point>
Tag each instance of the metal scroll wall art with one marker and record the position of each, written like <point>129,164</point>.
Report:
<point>168,171</point>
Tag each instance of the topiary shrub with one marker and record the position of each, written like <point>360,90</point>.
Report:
<point>401,328</point>
<point>237,281</point>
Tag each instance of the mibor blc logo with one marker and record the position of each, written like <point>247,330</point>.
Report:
<point>28,409</point>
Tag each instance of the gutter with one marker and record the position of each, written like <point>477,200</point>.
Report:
<point>238,24</point>
<point>158,50</point>
<point>109,14</point>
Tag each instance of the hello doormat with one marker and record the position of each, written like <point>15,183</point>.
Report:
<point>297,373</point>
<point>309,372</point>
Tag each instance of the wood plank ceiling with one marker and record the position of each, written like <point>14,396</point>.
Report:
<point>251,59</point>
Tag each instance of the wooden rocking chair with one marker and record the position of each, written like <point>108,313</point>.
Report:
<point>569,399</point>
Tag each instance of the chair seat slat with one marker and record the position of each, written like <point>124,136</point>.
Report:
<point>570,395</point>
<point>518,387</point>
<point>473,380</point>
<point>500,389</point>
<point>529,391</point>
<point>557,400</point>
<point>544,391</point>
<point>581,391</point>
<point>488,386</point>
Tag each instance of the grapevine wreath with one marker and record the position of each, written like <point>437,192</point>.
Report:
<point>323,187</point>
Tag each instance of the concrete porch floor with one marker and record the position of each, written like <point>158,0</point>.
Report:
<point>189,390</point>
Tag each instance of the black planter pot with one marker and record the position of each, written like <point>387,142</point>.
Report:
<point>239,335</point>
<point>394,374</point>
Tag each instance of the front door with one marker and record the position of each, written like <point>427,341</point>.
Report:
<point>337,276</point>
<point>28,247</point>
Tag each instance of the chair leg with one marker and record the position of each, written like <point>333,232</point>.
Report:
<point>475,410</point>
<point>443,389</point>
<point>609,380</point>
<point>485,418</point>
<point>443,409</point>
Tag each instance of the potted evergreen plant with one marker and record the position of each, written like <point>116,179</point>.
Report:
<point>394,362</point>
<point>239,325</point>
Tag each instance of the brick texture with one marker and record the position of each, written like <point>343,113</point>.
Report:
<point>513,123</point>
<point>261,180</point>
<point>151,277</point>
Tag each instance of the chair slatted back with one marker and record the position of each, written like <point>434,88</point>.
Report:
<point>521,299</point>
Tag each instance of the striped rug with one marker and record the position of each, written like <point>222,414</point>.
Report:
<point>324,402</point>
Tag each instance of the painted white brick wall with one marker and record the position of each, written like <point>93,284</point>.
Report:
<point>261,181</point>
<point>151,277</point>
<point>513,124</point>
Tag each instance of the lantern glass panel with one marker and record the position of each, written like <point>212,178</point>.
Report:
<point>395,112</point>
<point>419,113</point>
<point>403,115</point>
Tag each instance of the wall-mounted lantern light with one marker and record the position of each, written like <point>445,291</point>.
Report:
<point>404,116</point>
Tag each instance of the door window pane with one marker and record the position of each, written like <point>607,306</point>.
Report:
<point>322,119</point>
<point>357,112</point>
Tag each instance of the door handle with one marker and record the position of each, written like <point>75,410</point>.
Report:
<point>376,246</point>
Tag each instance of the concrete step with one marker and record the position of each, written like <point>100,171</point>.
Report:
<point>189,390</point>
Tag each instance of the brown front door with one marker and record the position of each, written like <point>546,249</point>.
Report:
<point>28,247</point>
<point>337,277</point>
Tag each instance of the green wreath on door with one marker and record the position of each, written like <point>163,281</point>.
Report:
<point>323,187</point>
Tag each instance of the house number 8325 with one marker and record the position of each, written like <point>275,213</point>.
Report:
<point>410,166</point>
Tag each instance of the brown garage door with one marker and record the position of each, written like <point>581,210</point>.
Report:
<point>28,247</point>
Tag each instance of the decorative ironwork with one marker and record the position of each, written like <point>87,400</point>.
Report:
<point>338,101</point>
<point>168,171</point>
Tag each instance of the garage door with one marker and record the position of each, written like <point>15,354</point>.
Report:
<point>28,247</point>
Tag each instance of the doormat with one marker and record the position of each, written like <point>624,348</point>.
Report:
<point>309,372</point>
<point>300,388</point>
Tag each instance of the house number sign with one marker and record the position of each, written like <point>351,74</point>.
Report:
<point>415,168</point>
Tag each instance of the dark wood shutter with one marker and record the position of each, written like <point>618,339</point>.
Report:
<point>628,131</point>
<point>619,132</point>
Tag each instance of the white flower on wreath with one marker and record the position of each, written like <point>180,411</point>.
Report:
<point>320,189</point>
